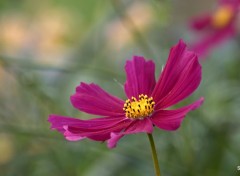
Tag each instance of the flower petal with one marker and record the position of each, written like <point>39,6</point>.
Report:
<point>180,77</point>
<point>90,98</point>
<point>137,126</point>
<point>140,77</point>
<point>96,129</point>
<point>70,136</point>
<point>232,3</point>
<point>209,41</point>
<point>171,119</point>
<point>201,22</point>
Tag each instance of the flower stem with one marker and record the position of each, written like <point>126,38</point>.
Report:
<point>154,155</point>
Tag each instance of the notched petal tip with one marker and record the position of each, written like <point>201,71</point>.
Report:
<point>180,77</point>
<point>180,46</point>
<point>140,75</point>
<point>137,58</point>
<point>181,42</point>
<point>52,119</point>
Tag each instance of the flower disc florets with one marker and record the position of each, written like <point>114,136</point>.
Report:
<point>138,109</point>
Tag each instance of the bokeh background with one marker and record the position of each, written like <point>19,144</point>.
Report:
<point>47,47</point>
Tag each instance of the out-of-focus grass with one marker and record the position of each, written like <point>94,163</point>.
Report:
<point>48,47</point>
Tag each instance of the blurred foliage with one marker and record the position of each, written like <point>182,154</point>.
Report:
<point>47,47</point>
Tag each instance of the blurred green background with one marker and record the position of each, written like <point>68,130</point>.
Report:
<point>47,47</point>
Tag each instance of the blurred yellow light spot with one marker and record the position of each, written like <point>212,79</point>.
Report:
<point>120,32</point>
<point>13,32</point>
<point>222,16</point>
<point>6,149</point>
<point>42,36</point>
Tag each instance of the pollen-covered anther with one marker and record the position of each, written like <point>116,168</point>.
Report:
<point>139,108</point>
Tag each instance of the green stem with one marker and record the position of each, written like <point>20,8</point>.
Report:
<point>154,155</point>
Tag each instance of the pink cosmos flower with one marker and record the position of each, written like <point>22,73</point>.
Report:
<point>147,104</point>
<point>216,27</point>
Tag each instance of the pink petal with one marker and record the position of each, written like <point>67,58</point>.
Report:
<point>212,39</point>
<point>90,98</point>
<point>233,3</point>
<point>140,77</point>
<point>112,142</point>
<point>70,136</point>
<point>137,126</point>
<point>204,21</point>
<point>179,79</point>
<point>59,122</point>
<point>96,129</point>
<point>201,22</point>
<point>171,119</point>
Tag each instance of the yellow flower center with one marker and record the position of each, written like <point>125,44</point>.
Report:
<point>222,16</point>
<point>138,109</point>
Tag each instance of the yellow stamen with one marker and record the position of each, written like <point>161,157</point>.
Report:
<point>138,109</point>
<point>222,16</point>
